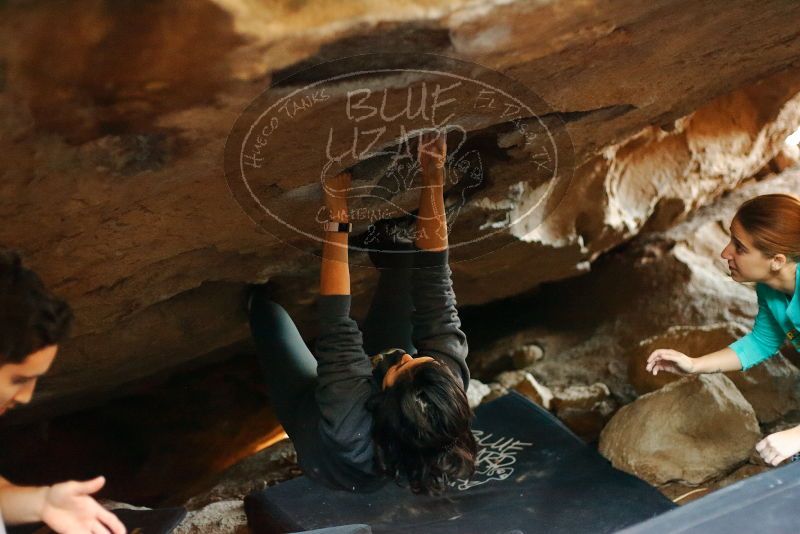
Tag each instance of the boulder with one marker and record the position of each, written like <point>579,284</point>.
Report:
<point>223,517</point>
<point>476,392</point>
<point>525,383</point>
<point>584,409</point>
<point>512,353</point>
<point>495,391</point>
<point>785,159</point>
<point>770,387</point>
<point>690,431</point>
<point>267,467</point>
<point>579,397</point>
<point>691,340</point>
<point>526,355</point>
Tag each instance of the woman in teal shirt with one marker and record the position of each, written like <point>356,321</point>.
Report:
<point>764,248</point>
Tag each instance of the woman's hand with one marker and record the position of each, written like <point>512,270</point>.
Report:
<point>432,153</point>
<point>671,361</point>
<point>68,508</point>
<point>336,189</point>
<point>779,446</point>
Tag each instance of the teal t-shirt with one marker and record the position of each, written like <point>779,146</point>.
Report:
<point>778,319</point>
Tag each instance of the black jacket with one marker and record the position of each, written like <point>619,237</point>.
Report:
<point>343,455</point>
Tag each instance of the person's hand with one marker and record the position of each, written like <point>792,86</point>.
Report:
<point>336,189</point>
<point>69,509</point>
<point>671,361</point>
<point>432,153</point>
<point>779,446</point>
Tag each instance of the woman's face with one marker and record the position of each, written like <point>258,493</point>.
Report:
<point>18,380</point>
<point>406,363</point>
<point>746,263</point>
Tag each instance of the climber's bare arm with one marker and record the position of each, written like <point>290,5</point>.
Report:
<point>335,272</point>
<point>432,221</point>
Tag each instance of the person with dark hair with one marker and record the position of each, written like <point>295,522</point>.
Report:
<point>403,415</point>
<point>764,248</point>
<point>32,324</point>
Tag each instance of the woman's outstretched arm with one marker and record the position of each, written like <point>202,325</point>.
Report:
<point>335,272</point>
<point>431,219</point>
<point>344,373</point>
<point>764,341</point>
<point>675,362</point>
<point>436,325</point>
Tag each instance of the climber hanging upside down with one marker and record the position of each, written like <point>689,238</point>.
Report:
<point>406,419</point>
<point>764,248</point>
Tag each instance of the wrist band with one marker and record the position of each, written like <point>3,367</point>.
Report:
<point>338,227</point>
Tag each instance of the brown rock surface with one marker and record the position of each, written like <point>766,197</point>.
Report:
<point>683,494</point>
<point>584,409</point>
<point>113,130</point>
<point>690,340</point>
<point>770,387</point>
<point>692,430</point>
<point>509,353</point>
<point>265,468</point>
<point>526,384</point>
<point>222,517</point>
<point>588,326</point>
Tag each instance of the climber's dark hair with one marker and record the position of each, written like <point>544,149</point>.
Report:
<point>31,318</point>
<point>421,429</point>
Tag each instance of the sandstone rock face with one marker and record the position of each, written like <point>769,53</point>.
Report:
<point>693,341</point>
<point>113,186</point>
<point>223,517</point>
<point>510,353</point>
<point>267,467</point>
<point>220,509</point>
<point>666,281</point>
<point>770,387</point>
<point>495,391</point>
<point>526,383</point>
<point>690,431</point>
<point>584,409</point>
<point>476,392</point>
<point>579,396</point>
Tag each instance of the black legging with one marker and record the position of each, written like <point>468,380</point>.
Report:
<point>289,368</point>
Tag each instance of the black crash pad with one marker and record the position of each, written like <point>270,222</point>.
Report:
<point>343,529</point>
<point>533,475</point>
<point>764,503</point>
<point>158,521</point>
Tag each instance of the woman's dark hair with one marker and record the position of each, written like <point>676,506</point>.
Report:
<point>421,429</point>
<point>31,317</point>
